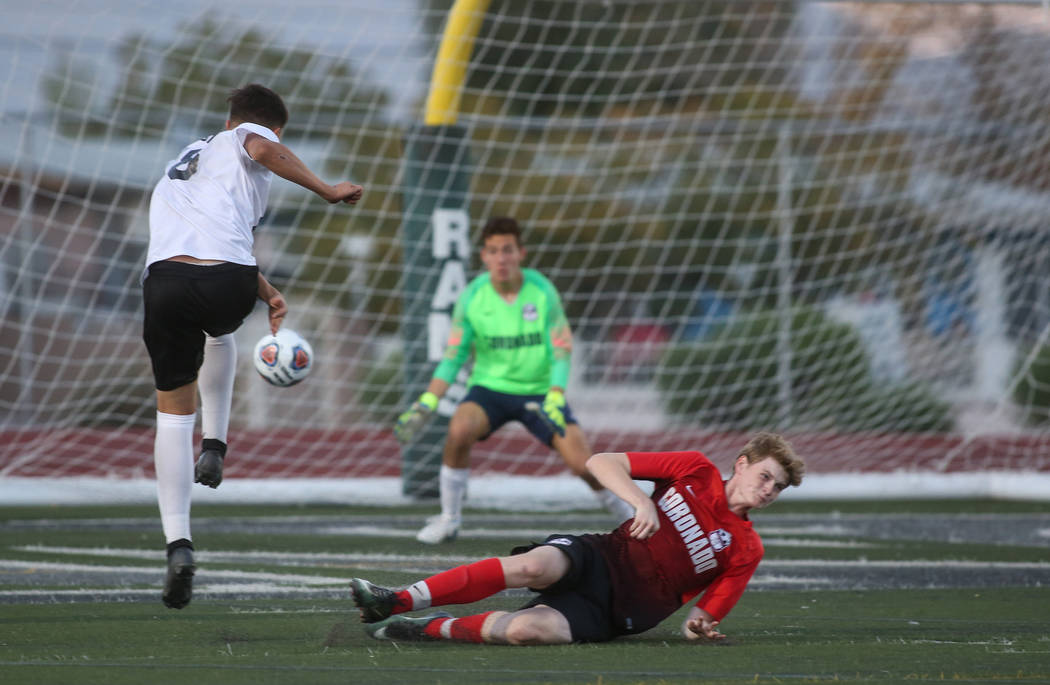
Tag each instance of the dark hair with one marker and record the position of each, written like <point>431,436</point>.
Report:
<point>257,104</point>
<point>501,225</point>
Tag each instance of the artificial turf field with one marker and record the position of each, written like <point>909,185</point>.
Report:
<point>848,592</point>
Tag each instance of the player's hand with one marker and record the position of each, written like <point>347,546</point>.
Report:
<point>646,521</point>
<point>702,627</point>
<point>278,308</point>
<point>346,192</point>
<point>275,302</point>
<point>552,411</point>
<point>411,421</point>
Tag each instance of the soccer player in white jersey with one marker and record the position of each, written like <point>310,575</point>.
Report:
<point>200,282</point>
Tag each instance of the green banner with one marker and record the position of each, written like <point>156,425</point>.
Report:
<point>436,249</point>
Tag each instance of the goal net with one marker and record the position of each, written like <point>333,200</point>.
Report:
<point>822,218</point>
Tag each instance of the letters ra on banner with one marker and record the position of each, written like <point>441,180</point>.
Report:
<point>450,247</point>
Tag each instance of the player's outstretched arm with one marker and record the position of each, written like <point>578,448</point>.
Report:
<point>700,625</point>
<point>279,159</point>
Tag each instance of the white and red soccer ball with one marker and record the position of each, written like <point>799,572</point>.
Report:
<point>283,359</point>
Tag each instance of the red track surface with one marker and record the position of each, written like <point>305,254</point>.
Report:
<point>344,454</point>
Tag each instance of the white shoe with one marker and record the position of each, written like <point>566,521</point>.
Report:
<point>439,529</point>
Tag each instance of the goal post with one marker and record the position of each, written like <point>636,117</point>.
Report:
<point>436,239</point>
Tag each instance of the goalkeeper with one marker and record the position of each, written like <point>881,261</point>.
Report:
<point>512,319</point>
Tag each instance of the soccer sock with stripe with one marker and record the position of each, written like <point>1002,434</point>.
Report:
<point>466,629</point>
<point>173,460</point>
<point>460,585</point>
<point>215,384</point>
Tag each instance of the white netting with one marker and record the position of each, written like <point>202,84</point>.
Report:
<point>826,218</point>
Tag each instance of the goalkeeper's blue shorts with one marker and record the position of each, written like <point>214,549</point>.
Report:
<point>502,407</point>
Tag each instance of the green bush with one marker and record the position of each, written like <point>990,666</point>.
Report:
<point>732,380</point>
<point>1033,389</point>
<point>908,408</point>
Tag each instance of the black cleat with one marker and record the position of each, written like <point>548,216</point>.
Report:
<point>208,470</point>
<point>178,586</point>
<point>405,628</point>
<point>375,602</point>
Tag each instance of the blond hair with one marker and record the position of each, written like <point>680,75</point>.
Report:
<point>766,444</point>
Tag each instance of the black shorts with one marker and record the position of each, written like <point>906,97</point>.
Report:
<point>501,407</point>
<point>584,594</point>
<point>182,303</point>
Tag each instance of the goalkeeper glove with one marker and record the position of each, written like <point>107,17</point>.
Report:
<point>552,411</point>
<point>409,423</point>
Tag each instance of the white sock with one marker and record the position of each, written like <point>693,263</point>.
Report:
<point>453,484</point>
<point>215,384</point>
<point>420,594</point>
<point>173,459</point>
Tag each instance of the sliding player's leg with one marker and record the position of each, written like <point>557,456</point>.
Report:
<point>537,568</point>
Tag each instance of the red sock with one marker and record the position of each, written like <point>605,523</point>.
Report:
<point>404,602</point>
<point>433,629</point>
<point>465,584</point>
<point>466,629</point>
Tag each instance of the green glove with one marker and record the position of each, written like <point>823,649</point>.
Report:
<point>552,411</point>
<point>409,423</point>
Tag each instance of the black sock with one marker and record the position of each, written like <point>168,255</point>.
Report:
<point>181,542</point>
<point>213,444</point>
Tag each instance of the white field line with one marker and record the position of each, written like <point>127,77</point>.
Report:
<point>32,566</point>
<point>814,529</point>
<point>765,579</point>
<point>826,544</point>
<point>215,590</point>
<point>305,558</point>
<point>477,533</point>
<point>1003,642</point>
<point>464,532</point>
<point>913,563</point>
<point>219,556</point>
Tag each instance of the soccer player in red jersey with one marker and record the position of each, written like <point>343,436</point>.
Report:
<point>691,536</point>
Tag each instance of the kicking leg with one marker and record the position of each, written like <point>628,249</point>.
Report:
<point>215,381</point>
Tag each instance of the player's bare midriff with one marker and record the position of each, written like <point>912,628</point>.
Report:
<point>186,259</point>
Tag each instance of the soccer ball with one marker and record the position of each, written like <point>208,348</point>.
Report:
<point>283,359</point>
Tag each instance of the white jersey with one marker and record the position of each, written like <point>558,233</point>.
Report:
<point>210,200</point>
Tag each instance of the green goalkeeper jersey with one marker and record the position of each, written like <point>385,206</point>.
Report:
<point>520,348</point>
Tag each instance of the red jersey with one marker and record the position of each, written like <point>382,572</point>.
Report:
<point>701,545</point>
